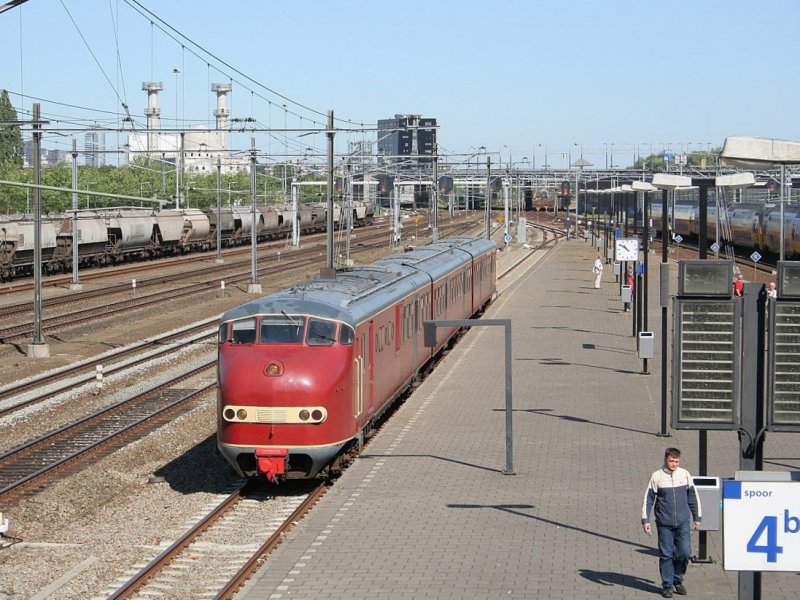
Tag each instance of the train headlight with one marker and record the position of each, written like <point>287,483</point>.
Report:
<point>229,414</point>
<point>241,414</point>
<point>304,415</point>
<point>273,369</point>
<point>316,415</point>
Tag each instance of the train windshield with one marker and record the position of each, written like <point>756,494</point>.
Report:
<point>346,334</point>
<point>243,331</point>
<point>282,329</point>
<point>321,333</point>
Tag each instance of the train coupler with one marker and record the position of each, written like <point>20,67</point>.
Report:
<point>272,462</point>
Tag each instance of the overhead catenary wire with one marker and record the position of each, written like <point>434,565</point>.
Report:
<point>164,26</point>
<point>91,52</point>
<point>129,123</point>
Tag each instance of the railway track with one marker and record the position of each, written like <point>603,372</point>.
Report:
<point>39,458</point>
<point>79,374</point>
<point>240,522</point>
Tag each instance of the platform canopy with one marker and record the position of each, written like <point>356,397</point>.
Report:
<point>758,153</point>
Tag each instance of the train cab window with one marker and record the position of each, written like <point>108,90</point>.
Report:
<point>346,334</point>
<point>223,333</point>
<point>281,330</point>
<point>243,331</point>
<point>320,333</point>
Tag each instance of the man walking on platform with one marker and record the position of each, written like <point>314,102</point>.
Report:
<point>597,269</point>
<point>677,509</point>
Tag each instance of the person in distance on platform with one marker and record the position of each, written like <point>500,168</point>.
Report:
<point>630,281</point>
<point>671,493</point>
<point>738,286</point>
<point>772,291</point>
<point>597,269</point>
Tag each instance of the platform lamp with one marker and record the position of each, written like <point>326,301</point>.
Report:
<point>580,164</point>
<point>665,182</point>
<point>645,187</point>
<point>761,153</point>
<point>613,221</point>
<point>626,189</point>
<point>608,218</point>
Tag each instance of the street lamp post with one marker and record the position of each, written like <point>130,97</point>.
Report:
<point>176,71</point>
<point>645,188</point>
<point>666,183</point>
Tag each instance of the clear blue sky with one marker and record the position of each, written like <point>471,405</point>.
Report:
<point>514,76</point>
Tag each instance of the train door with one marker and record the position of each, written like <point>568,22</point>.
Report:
<point>360,382</point>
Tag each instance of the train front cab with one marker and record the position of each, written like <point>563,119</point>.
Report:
<point>286,397</point>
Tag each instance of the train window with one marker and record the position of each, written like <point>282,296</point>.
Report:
<point>281,330</point>
<point>346,334</point>
<point>223,333</point>
<point>243,331</point>
<point>321,333</point>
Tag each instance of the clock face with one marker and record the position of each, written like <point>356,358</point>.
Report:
<point>627,249</point>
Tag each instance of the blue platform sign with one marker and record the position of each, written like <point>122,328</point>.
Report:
<point>667,155</point>
<point>761,525</point>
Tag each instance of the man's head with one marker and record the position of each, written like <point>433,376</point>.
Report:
<point>672,459</point>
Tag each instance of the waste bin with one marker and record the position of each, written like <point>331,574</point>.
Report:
<point>627,293</point>
<point>709,491</point>
<point>617,267</point>
<point>646,344</point>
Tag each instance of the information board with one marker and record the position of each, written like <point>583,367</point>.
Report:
<point>761,525</point>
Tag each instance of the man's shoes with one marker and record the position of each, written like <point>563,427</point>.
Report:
<point>680,589</point>
<point>666,593</point>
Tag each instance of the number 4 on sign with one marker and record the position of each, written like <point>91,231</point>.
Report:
<point>768,527</point>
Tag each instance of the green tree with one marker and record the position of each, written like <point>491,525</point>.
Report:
<point>10,135</point>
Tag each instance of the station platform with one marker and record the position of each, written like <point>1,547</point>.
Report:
<point>428,510</point>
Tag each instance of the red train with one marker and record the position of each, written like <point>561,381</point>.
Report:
<point>305,373</point>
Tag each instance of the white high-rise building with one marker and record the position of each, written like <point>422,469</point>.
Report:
<point>94,148</point>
